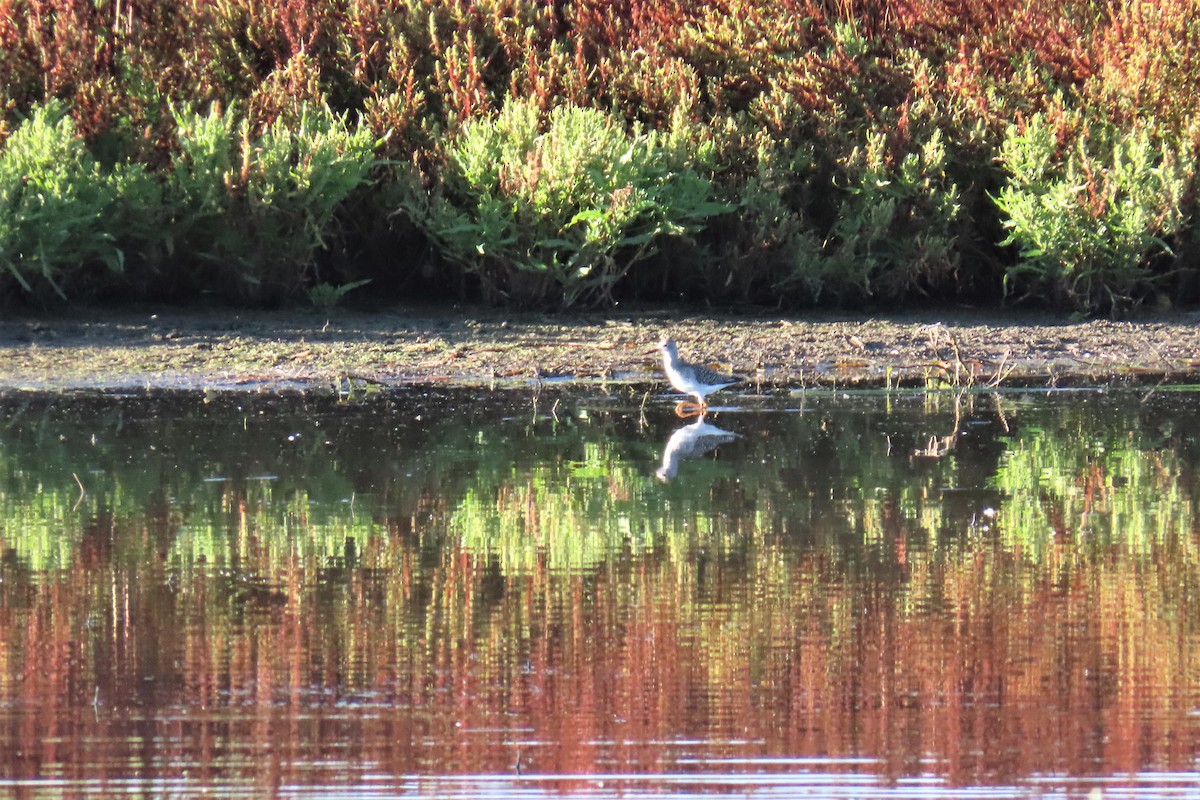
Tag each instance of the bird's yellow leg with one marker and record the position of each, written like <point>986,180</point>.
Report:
<point>686,409</point>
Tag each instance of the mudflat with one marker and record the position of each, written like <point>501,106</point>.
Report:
<point>299,351</point>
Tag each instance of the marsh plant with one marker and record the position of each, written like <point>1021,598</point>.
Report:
<point>562,210</point>
<point>1089,217</point>
<point>327,296</point>
<point>57,206</point>
<point>893,229</point>
<point>570,152</point>
<point>883,224</point>
<point>255,208</point>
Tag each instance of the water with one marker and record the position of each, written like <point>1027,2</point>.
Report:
<point>465,594</point>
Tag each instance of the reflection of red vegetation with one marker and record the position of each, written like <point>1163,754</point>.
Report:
<point>991,667</point>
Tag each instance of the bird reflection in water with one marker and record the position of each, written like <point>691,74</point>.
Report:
<point>691,441</point>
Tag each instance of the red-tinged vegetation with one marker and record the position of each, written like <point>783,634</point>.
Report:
<point>764,82</point>
<point>989,675</point>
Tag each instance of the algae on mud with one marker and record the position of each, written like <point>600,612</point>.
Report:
<point>291,350</point>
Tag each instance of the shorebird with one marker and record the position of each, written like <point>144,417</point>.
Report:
<point>694,379</point>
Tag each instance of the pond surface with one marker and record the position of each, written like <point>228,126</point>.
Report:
<point>464,593</point>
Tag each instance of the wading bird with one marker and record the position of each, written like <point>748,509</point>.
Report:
<point>694,379</point>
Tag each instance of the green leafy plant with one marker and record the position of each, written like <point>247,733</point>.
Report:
<point>894,227</point>
<point>878,212</point>
<point>54,205</point>
<point>568,210</point>
<point>257,208</point>
<point>1087,219</point>
<point>326,296</point>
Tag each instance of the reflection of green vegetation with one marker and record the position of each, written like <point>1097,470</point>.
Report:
<point>44,528</point>
<point>483,567</point>
<point>577,514</point>
<point>225,481</point>
<point>1104,480</point>
<point>294,528</point>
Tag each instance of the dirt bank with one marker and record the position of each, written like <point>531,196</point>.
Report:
<point>256,350</point>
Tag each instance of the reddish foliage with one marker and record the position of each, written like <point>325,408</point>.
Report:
<point>1148,60</point>
<point>782,72</point>
<point>642,56</point>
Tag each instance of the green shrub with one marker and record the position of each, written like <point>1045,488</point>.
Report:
<point>874,206</point>
<point>326,296</point>
<point>893,231</point>
<point>565,213</point>
<point>253,211</point>
<point>1088,219</point>
<point>54,206</point>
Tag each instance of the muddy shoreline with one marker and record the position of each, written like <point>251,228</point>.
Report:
<point>285,351</point>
